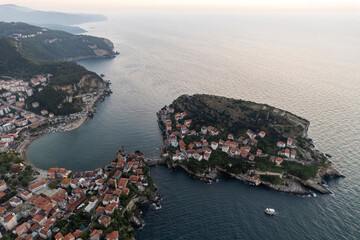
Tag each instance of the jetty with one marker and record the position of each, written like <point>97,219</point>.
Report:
<point>154,161</point>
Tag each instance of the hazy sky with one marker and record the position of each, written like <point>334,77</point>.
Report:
<point>77,5</point>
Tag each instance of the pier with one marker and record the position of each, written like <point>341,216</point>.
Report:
<point>154,161</point>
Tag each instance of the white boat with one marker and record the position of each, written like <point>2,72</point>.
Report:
<point>270,211</point>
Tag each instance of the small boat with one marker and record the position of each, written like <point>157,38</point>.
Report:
<point>270,211</point>
<point>328,155</point>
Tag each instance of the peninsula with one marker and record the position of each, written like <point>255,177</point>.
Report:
<point>255,143</point>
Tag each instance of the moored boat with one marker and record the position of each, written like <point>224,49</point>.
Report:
<point>270,211</point>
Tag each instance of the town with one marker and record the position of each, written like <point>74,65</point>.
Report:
<point>88,205</point>
<point>208,135</point>
<point>244,147</point>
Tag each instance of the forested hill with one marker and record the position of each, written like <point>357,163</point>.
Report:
<point>68,79</point>
<point>43,45</point>
<point>237,116</point>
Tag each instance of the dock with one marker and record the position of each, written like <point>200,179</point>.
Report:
<point>154,161</point>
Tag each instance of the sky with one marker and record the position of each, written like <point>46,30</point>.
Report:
<point>81,5</point>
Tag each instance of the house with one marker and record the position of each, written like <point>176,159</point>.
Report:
<point>44,112</point>
<point>95,234</point>
<point>293,154</point>
<point>45,233</point>
<point>7,139</point>
<point>276,110</point>
<point>35,104</point>
<point>133,179</point>
<point>290,142</point>
<point>23,228</point>
<point>225,148</point>
<point>123,183</point>
<point>177,157</point>
<point>15,201</point>
<point>74,183</point>
<point>40,219</point>
<point>278,161</point>
<point>65,183</point>
<point>207,156</point>
<point>38,185</point>
<point>69,237</point>
<point>262,134</point>
<point>77,233</point>
<point>140,186</point>
<point>252,157</point>
<point>125,191</point>
<point>214,145</point>
<point>204,130</point>
<point>287,153</point>
<point>35,82</point>
<point>198,157</point>
<point>9,221</point>
<point>244,154</point>
<point>112,236</point>
<point>258,152</point>
<point>4,146</point>
<point>110,208</point>
<point>214,132</point>
<point>20,104</point>
<point>25,195</point>
<point>3,186</point>
<point>29,91</point>
<point>117,174</point>
<point>100,210</point>
<point>104,220</point>
<point>281,144</point>
<point>41,78</point>
<point>231,137</point>
<point>251,134</point>
<point>59,236</point>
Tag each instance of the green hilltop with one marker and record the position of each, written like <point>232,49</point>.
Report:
<point>44,45</point>
<point>69,78</point>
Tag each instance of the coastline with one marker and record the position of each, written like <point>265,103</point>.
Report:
<point>25,144</point>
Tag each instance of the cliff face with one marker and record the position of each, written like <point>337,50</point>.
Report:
<point>88,83</point>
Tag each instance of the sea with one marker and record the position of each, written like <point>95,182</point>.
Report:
<point>307,63</point>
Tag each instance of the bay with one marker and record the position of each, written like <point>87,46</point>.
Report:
<point>306,63</point>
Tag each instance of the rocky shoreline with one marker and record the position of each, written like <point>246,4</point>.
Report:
<point>292,185</point>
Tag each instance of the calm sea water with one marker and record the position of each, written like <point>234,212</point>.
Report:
<point>308,64</point>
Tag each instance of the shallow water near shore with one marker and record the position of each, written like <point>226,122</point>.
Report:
<point>306,64</point>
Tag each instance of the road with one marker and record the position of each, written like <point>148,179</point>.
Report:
<point>42,118</point>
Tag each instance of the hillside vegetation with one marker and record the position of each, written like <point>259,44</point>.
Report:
<point>68,79</point>
<point>44,45</point>
<point>237,116</point>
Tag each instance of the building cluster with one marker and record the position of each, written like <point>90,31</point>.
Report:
<point>13,124</point>
<point>34,212</point>
<point>239,147</point>
<point>15,91</point>
<point>30,35</point>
